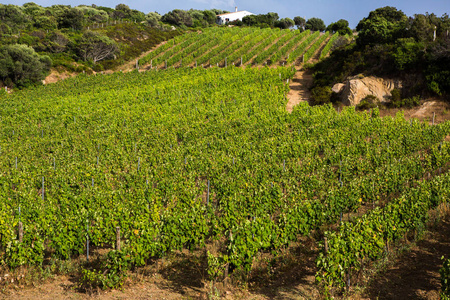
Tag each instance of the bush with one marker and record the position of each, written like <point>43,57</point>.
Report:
<point>111,274</point>
<point>22,66</point>
<point>396,95</point>
<point>406,102</point>
<point>370,101</point>
<point>321,95</point>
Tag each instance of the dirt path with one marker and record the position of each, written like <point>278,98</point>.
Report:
<point>299,88</point>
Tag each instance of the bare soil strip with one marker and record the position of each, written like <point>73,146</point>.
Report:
<point>299,88</point>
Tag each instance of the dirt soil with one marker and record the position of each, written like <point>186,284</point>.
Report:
<point>412,275</point>
<point>299,88</point>
<point>424,112</point>
<point>55,76</point>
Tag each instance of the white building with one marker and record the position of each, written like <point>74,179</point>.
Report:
<point>230,17</point>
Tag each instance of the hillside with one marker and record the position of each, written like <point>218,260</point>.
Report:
<point>238,46</point>
<point>220,161</point>
<point>214,167</point>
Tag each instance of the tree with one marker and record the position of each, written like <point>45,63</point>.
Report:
<point>21,65</point>
<point>209,16</point>
<point>178,17</point>
<point>315,24</point>
<point>57,42</point>
<point>12,15</point>
<point>340,27</point>
<point>96,47</point>
<point>382,26</point>
<point>250,20</point>
<point>285,23</point>
<point>92,14</point>
<point>71,18</point>
<point>153,19</point>
<point>300,23</point>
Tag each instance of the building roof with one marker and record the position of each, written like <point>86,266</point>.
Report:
<point>235,12</point>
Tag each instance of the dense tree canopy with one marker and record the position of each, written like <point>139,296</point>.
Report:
<point>178,17</point>
<point>20,65</point>
<point>267,20</point>
<point>315,24</point>
<point>285,23</point>
<point>383,25</point>
<point>96,47</point>
<point>340,27</point>
<point>300,22</point>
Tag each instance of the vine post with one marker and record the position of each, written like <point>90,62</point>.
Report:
<point>118,238</point>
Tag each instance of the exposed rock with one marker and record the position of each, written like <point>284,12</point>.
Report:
<point>358,87</point>
<point>338,87</point>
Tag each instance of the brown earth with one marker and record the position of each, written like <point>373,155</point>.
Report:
<point>55,76</point>
<point>299,88</point>
<point>414,274</point>
<point>439,108</point>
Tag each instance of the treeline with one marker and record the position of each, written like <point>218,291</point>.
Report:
<point>71,39</point>
<point>389,43</point>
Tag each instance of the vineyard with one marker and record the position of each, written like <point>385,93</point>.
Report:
<point>226,46</point>
<point>145,164</point>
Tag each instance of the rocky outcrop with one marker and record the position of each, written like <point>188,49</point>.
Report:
<point>338,87</point>
<point>358,87</point>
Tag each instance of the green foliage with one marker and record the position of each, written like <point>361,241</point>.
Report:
<point>445,279</point>
<point>254,45</point>
<point>396,95</point>
<point>321,95</point>
<point>408,53</point>
<point>71,18</point>
<point>340,27</point>
<point>300,22</point>
<point>153,19</point>
<point>96,47</point>
<point>366,238</point>
<point>285,23</point>
<point>123,11</point>
<point>405,102</point>
<point>261,20</point>
<point>139,151</point>
<point>370,101</point>
<point>20,65</point>
<point>216,266</point>
<point>383,25</point>
<point>111,274</point>
<point>330,45</point>
<point>12,15</point>
<point>390,45</point>
<point>315,24</point>
<point>178,17</point>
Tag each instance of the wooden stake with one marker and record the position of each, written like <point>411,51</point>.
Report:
<point>118,238</point>
<point>20,227</point>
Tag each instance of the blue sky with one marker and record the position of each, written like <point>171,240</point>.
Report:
<point>328,10</point>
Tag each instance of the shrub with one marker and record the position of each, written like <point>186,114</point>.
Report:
<point>321,95</point>
<point>370,101</point>
<point>112,272</point>
<point>406,102</point>
<point>396,95</point>
<point>22,66</point>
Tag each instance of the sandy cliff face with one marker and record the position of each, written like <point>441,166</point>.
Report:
<point>358,87</point>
